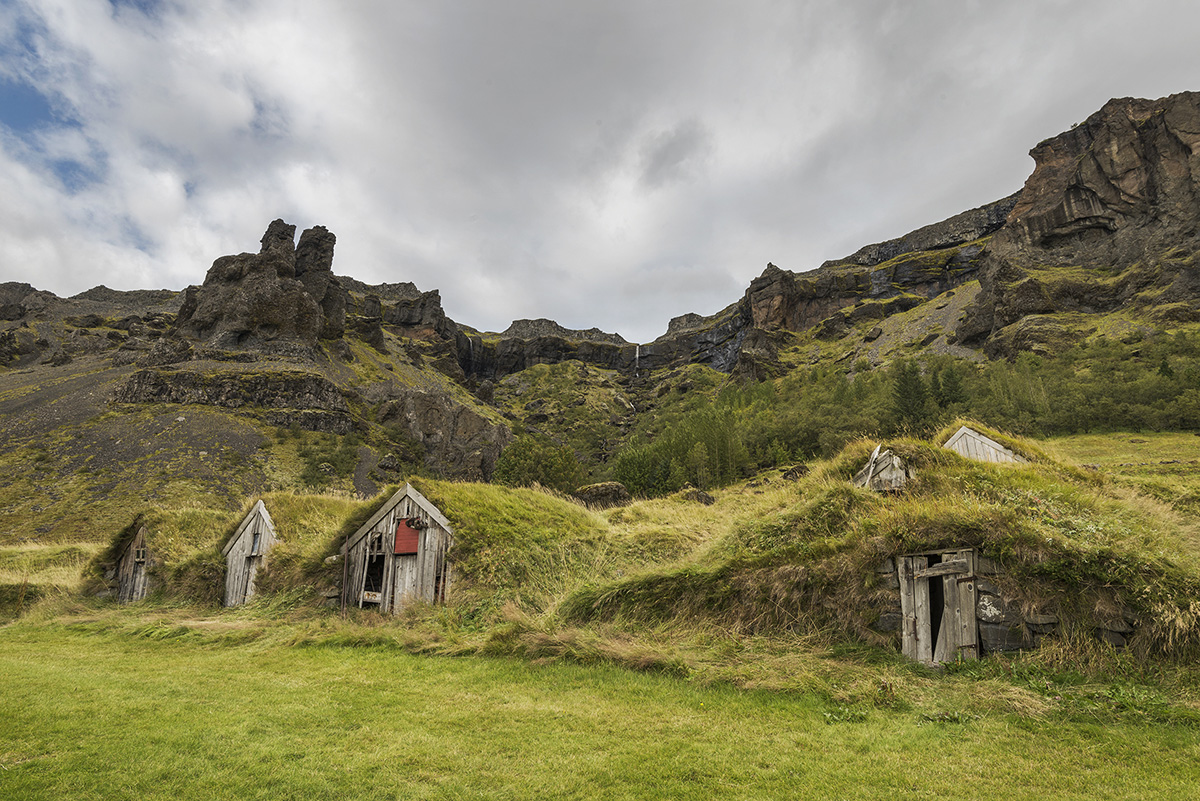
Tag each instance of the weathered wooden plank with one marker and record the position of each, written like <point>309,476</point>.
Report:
<point>955,566</point>
<point>908,613</point>
<point>917,618</point>
<point>968,589</point>
<point>389,571</point>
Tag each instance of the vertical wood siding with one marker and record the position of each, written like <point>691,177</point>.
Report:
<point>424,576</point>
<point>973,445</point>
<point>241,565</point>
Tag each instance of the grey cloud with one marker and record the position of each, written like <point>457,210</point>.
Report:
<point>674,155</point>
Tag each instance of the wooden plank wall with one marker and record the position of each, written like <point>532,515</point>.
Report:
<point>241,567</point>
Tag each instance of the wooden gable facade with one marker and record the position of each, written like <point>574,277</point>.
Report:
<point>398,556</point>
<point>132,569</point>
<point>246,553</point>
<point>969,443</point>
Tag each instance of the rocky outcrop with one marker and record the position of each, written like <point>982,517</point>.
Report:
<point>419,317</point>
<point>458,441</point>
<point>404,290</point>
<point>145,300</point>
<point>486,359</point>
<point>1108,219</point>
<point>18,345</point>
<point>314,269</point>
<point>957,230</point>
<point>18,300</point>
<point>715,341</point>
<point>278,389</point>
<point>280,295</point>
<point>604,495</point>
<point>533,329</point>
<point>1132,163</point>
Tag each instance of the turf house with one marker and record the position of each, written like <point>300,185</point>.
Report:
<point>398,556</point>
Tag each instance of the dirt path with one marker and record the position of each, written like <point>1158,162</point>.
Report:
<point>363,485</point>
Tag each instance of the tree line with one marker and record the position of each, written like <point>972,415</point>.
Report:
<point>1103,385</point>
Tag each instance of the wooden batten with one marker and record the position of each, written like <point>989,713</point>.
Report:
<point>383,569</point>
<point>246,554</point>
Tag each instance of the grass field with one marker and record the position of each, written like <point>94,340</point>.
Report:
<point>88,713</point>
<point>503,697</point>
<point>1161,465</point>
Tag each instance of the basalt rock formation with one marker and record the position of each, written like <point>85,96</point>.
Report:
<point>1109,220</point>
<point>279,298</point>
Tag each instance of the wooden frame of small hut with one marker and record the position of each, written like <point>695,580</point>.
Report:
<point>246,553</point>
<point>398,556</point>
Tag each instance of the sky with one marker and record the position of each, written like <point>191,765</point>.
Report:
<point>608,163</point>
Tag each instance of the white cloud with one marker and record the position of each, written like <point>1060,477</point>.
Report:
<point>608,163</point>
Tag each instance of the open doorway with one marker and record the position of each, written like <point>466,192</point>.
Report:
<point>373,575</point>
<point>937,601</point>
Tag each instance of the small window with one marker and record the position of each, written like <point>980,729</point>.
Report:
<point>139,555</point>
<point>256,546</point>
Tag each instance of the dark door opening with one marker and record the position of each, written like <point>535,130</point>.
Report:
<point>937,601</point>
<point>374,573</point>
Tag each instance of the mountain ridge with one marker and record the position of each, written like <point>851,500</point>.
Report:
<point>1107,224</point>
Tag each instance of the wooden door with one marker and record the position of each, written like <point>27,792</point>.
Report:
<point>248,574</point>
<point>937,604</point>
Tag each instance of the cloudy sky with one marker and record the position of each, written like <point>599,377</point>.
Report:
<point>609,163</point>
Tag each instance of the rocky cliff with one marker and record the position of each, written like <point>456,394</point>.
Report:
<point>279,298</point>
<point>1108,220</point>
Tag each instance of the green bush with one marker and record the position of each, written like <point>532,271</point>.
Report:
<point>533,459</point>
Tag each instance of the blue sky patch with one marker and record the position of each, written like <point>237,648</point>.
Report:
<point>75,175</point>
<point>149,8</point>
<point>23,108</point>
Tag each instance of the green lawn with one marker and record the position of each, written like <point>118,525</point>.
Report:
<point>93,714</point>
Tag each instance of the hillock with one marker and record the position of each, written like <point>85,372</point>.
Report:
<point>1067,543</point>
